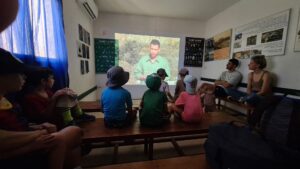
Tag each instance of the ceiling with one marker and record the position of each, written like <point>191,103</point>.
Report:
<point>181,9</point>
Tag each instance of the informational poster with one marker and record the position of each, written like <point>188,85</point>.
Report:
<point>106,54</point>
<point>218,47</point>
<point>297,42</point>
<point>193,55</point>
<point>265,36</point>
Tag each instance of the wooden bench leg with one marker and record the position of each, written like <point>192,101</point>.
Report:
<point>150,142</point>
<point>146,145</point>
<point>177,147</point>
<point>115,155</point>
<point>219,104</point>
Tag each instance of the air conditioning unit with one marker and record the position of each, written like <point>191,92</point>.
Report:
<point>89,7</point>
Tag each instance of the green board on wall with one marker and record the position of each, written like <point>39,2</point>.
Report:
<point>106,54</point>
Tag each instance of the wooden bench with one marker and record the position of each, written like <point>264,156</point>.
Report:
<point>248,108</point>
<point>276,90</point>
<point>187,162</point>
<point>90,106</point>
<point>95,132</point>
<point>95,106</point>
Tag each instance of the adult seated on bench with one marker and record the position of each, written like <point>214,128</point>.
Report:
<point>259,83</point>
<point>228,80</point>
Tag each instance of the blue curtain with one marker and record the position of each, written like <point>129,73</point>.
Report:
<point>37,37</point>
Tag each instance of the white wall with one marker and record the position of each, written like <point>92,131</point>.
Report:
<point>286,67</point>
<point>73,15</point>
<point>107,24</point>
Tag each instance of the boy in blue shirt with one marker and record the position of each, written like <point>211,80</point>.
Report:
<point>115,99</point>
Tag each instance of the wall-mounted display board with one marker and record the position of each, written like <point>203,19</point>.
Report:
<point>265,36</point>
<point>193,54</point>
<point>218,47</point>
<point>297,42</point>
<point>106,54</point>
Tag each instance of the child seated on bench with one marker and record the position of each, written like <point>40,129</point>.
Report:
<point>208,98</point>
<point>164,87</point>
<point>180,86</point>
<point>188,106</point>
<point>154,110</point>
<point>115,99</point>
<point>42,105</point>
<point>25,146</point>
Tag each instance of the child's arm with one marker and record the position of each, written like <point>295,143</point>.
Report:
<point>129,106</point>
<point>27,143</point>
<point>170,97</point>
<point>10,140</point>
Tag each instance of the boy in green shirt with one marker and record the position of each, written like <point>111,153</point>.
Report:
<point>154,111</point>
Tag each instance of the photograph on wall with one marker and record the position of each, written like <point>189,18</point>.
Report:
<point>297,41</point>
<point>209,49</point>
<point>271,36</point>
<point>83,51</point>
<point>79,49</point>
<point>88,38</point>
<point>87,50</point>
<point>80,32</point>
<point>251,40</point>
<point>265,36</point>
<point>87,66</point>
<point>82,67</point>
<point>85,37</point>
<point>218,47</point>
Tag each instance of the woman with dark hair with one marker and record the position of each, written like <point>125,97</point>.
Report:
<point>42,105</point>
<point>259,82</point>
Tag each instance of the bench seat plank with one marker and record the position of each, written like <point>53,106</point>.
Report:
<point>90,106</point>
<point>97,132</point>
<point>245,106</point>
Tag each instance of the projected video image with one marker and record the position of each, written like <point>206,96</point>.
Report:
<point>142,55</point>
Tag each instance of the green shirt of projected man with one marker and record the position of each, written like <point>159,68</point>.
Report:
<point>151,63</point>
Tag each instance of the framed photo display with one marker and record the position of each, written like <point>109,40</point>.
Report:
<point>83,49</point>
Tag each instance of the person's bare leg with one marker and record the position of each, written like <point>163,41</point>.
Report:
<point>72,138</point>
<point>57,154</point>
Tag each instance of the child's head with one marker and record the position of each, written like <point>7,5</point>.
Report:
<point>190,84</point>
<point>162,73</point>
<point>11,72</point>
<point>183,72</point>
<point>153,81</point>
<point>117,77</point>
<point>40,77</point>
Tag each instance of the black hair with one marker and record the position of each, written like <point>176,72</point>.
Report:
<point>235,62</point>
<point>34,77</point>
<point>261,60</point>
<point>155,42</point>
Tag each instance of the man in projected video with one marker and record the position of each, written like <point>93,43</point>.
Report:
<point>151,63</point>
